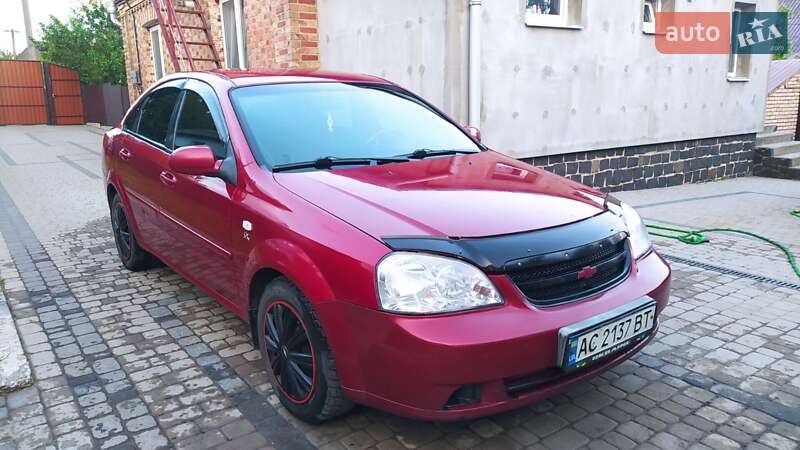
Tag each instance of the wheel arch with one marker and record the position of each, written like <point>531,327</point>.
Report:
<point>111,191</point>
<point>275,258</point>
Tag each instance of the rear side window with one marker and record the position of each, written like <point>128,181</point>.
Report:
<point>156,114</point>
<point>196,126</point>
<point>132,122</point>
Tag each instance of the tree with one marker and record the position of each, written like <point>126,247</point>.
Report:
<point>7,55</point>
<point>89,42</point>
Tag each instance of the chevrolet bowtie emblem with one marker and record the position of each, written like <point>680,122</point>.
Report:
<point>587,272</point>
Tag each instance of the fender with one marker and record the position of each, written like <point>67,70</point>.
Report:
<point>293,262</point>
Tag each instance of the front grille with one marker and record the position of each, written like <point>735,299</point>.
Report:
<point>553,278</point>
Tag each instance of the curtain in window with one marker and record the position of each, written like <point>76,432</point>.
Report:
<point>544,6</point>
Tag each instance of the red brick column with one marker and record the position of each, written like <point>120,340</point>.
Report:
<point>282,34</point>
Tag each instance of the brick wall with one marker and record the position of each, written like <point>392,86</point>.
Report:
<point>133,16</point>
<point>659,165</point>
<point>280,34</point>
<point>782,103</point>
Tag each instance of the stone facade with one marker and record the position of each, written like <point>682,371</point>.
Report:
<point>280,34</point>
<point>652,166</point>
<point>782,105</point>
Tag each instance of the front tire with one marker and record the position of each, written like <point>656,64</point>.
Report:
<point>133,257</point>
<point>298,360</point>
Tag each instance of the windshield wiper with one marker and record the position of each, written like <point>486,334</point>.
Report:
<point>329,162</point>
<point>422,153</point>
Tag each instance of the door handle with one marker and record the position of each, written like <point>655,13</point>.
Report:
<point>125,154</point>
<point>168,178</point>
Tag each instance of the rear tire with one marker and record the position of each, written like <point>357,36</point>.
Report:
<point>133,257</point>
<point>298,360</point>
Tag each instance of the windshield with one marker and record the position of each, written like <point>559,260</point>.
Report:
<point>292,123</point>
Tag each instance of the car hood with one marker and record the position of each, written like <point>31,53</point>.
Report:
<point>483,194</point>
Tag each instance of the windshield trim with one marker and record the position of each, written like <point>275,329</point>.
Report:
<point>253,146</point>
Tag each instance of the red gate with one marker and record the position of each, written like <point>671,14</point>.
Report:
<point>22,100</point>
<point>33,93</point>
<point>65,90</point>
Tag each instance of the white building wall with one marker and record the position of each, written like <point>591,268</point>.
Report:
<point>545,90</point>
<point>418,44</point>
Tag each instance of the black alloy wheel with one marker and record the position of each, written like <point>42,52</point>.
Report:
<point>122,231</point>
<point>291,355</point>
<point>133,256</point>
<point>296,355</point>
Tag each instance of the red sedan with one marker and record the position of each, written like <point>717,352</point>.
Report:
<point>380,252</point>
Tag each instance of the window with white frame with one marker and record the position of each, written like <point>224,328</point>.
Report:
<point>649,15</point>
<point>739,64</point>
<point>233,34</point>
<point>554,13</point>
<point>158,54</point>
<point>650,10</point>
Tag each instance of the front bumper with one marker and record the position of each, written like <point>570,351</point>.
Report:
<point>412,365</point>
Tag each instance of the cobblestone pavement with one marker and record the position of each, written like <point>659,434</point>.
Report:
<point>146,360</point>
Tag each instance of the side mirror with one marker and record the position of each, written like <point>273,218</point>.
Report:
<point>194,160</point>
<point>474,132</point>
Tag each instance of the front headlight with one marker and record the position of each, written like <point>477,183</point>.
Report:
<point>640,240</point>
<point>417,283</point>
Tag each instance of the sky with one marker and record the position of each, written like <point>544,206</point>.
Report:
<point>41,10</point>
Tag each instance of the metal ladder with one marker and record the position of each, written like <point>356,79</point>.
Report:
<point>180,38</point>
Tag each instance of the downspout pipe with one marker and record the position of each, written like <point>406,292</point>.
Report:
<point>474,94</point>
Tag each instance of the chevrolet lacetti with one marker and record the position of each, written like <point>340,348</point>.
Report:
<point>381,254</point>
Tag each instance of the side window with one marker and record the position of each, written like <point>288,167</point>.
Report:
<point>156,114</point>
<point>132,122</point>
<point>196,126</point>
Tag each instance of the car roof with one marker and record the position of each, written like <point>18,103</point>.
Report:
<point>253,77</point>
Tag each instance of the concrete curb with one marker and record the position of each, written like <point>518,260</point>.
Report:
<point>15,373</point>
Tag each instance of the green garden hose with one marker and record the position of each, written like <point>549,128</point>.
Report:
<point>696,237</point>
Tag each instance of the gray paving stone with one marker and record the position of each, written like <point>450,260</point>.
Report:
<point>22,398</point>
<point>546,424</point>
<point>92,398</point>
<point>720,442</point>
<point>595,425</point>
<point>635,431</point>
<point>129,409</point>
<point>105,426</point>
<point>114,441</point>
<point>151,440</point>
<point>79,440</point>
<point>140,423</point>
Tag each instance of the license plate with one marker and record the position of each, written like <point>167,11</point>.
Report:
<point>596,338</point>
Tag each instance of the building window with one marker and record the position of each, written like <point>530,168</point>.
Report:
<point>650,8</point>
<point>233,34</point>
<point>554,13</point>
<point>158,55</point>
<point>739,64</point>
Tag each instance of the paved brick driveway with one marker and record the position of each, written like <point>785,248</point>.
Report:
<point>146,360</point>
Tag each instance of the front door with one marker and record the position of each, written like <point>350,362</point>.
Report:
<point>196,209</point>
<point>141,157</point>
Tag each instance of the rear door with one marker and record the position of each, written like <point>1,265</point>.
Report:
<point>142,156</point>
<point>196,209</point>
